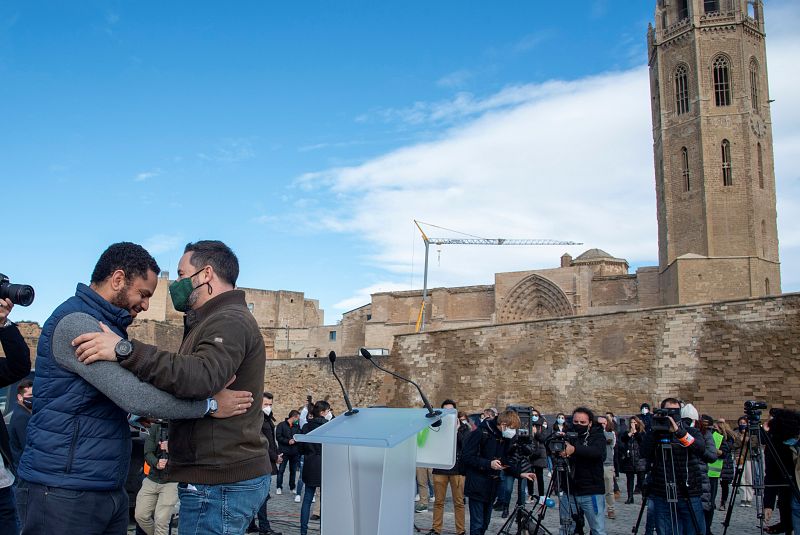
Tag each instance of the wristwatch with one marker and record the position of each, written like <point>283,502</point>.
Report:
<point>213,406</point>
<point>123,349</point>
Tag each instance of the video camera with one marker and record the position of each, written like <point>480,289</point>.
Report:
<point>753,409</point>
<point>20,294</point>
<point>557,442</point>
<point>661,419</point>
<point>525,431</point>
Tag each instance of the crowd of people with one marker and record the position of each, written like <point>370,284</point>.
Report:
<point>213,445</point>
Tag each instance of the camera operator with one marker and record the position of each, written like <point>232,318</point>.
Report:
<point>674,452</point>
<point>157,497</point>
<point>783,429</point>
<point>15,366</point>
<point>582,489</point>
<point>486,453</point>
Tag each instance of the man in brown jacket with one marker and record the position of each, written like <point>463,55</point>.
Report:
<point>221,466</point>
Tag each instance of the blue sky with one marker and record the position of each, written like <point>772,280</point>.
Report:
<point>309,135</point>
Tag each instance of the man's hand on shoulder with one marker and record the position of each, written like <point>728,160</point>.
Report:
<point>91,347</point>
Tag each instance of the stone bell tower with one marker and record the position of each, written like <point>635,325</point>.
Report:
<point>712,142</point>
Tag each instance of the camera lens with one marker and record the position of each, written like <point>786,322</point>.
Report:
<point>20,294</point>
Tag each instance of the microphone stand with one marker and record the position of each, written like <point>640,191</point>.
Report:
<point>350,410</point>
<point>431,413</point>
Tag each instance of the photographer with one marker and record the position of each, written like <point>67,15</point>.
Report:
<point>782,429</point>
<point>157,497</point>
<point>15,366</point>
<point>582,489</point>
<point>674,453</point>
<point>486,453</point>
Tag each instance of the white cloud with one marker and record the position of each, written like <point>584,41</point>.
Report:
<point>362,296</point>
<point>145,175</point>
<point>163,243</point>
<point>562,159</point>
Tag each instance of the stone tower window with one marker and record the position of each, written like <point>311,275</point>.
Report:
<point>760,162</point>
<point>687,185</point>
<point>727,174</point>
<point>683,9</point>
<point>681,90</point>
<point>754,83</point>
<point>711,6</point>
<point>722,81</point>
<point>664,20</point>
<point>766,286</point>
<point>763,238</point>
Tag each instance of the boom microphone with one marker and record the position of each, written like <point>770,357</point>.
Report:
<point>431,413</point>
<point>350,410</point>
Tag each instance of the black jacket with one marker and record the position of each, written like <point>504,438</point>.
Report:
<point>284,433</point>
<point>481,447</point>
<point>312,462</point>
<point>17,431</point>
<point>14,367</point>
<point>687,460</point>
<point>458,469</point>
<point>268,430</point>
<point>631,458</point>
<point>539,451</point>
<point>586,463</point>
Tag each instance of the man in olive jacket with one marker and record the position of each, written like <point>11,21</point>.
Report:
<point>221,465</point>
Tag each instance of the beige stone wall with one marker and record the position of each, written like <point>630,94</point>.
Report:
<point>715,355</point>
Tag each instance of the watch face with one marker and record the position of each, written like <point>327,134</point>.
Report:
<point>124,348</point>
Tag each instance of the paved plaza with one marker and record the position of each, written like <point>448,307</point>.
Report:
<point>284,516</point>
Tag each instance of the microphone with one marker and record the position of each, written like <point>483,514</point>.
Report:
<point>431,413</point>
<point>350,410</point>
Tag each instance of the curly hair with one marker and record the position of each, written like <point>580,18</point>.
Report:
<point>129,257</point>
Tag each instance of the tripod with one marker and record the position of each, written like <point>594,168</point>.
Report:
<point>753,446</point>
<point>521,515</point>
<point>561,465</point>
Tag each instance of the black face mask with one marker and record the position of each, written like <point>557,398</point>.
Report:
<point>28,403</point>
<point>580,429</point>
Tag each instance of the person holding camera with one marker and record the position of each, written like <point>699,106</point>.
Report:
<point>485,455</point>
<point>156,500</point>
<point>13,367</point>
<point>581,488</point>
<point>782,430</point>
<point>675,450</point>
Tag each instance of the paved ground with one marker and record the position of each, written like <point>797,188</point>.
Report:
<point>284,516</point>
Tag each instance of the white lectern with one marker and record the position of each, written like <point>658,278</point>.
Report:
<point>368,462</point>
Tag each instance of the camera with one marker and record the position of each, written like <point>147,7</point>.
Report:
<point>20,294</point>
<point>753,409</point>
<point>525,431</point>
<point>661,419</point>
<point>557,442</point>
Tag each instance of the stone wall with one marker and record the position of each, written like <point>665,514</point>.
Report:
<point>716,355</point>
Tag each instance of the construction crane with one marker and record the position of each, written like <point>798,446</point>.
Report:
<point>472,240</point>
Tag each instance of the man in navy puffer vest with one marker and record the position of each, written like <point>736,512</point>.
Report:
<point>78,447</point>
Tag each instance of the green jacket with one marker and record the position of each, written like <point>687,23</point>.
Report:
<point>152,452</point>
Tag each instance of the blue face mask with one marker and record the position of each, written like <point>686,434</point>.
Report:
<point>791,442</point>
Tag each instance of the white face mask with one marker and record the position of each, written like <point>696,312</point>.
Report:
<point>267,410</point>
<point>463,422</point>
<point>645,410</point>
<point>509,433</point>
<point>328,416</point>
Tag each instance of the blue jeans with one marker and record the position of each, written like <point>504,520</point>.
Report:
<point>8,512</point>
<point>592,508</point>
<point>45,509</point>
<point>507,487</point>
<point>263,520</point>
<point>292,462</point>
<point>685,509</point>
<point>305,509</point>
<point>480,514</point>
<point>650,523</point>
<point>795,515</point>
<point>227,508</point>
<point>300,477</point>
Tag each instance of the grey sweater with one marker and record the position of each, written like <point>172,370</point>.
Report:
<point>118,384</point>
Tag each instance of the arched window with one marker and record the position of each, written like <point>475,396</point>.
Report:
<point>727,175</point>
<point>687,185</point>
<point>763,238</point>
<point>681,90</point>
<point>664,19</point>
<point>722,81</point>
<point>711,6</point>
<point>766,286</point>
<point>760,162</point>
<point>754,83</point>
